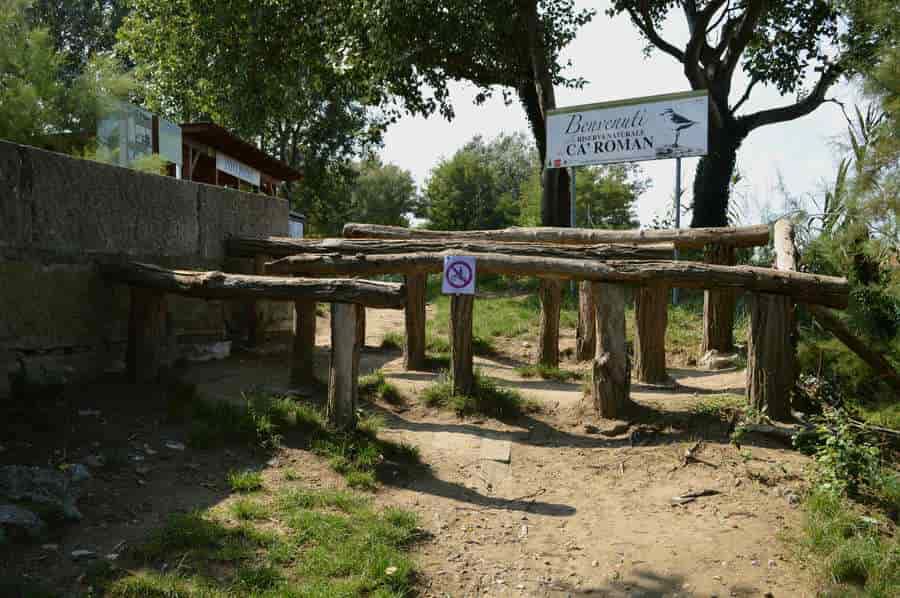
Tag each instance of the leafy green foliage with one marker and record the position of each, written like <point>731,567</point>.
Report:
<point>845,462</point>
<point>383,193</point>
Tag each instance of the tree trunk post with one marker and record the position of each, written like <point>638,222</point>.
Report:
<point>361,328</point>
<point>585,334</point>
<point>550,294</point>
<point>718,306</point>
<point>651,316</point>
<point>414,346</point>
<point>771,346</point>
<point>612,371</point>
<point>147,335</point>
<point>302,356</point>
<point>340,410</point>
<point>256,323</point>
<point>461,355</point>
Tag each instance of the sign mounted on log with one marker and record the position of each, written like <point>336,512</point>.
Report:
<point>650,128</point>
<point>459,275</point>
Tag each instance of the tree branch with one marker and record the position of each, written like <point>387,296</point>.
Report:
<point>692,67</point>
<point>642,21</point>
<point>746,95</point>
<point>813,100</point>
<point>739,39</point>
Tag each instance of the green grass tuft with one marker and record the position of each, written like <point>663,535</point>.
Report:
<point>245,509</point>
<point>487,398</point>
<point>245,481</point>
<point>375,386</point>
<point>393,341</point>
<point>721,406</point>
<point>547,372</point>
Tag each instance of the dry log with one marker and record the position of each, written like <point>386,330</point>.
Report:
<point>302,365</point>
<point>218,285</point>
<point>286,246</point>
<point>611,382</point>
<point>876,360</point>
<point>651,316</point>
<point>340,410</point>
<point>414,345</point>
<point>808,288</point>
<point>585,334</point>
<point>461,356</point>
<point>550,295</point>
<point>696,238</point>
<point>147,335</point>
<point>718,306</point>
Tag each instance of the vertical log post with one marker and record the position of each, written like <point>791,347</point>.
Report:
<point>147,335</point>
<point>461,354</point>
<point>340,410</point>
<point>585,334</point>
<point>414,346</point>
<point>550,294</point>
<point>651,316</point>
<point>772,360</point>
<point>302,364</point>
<point>612,371</point>
<point>718,306</point>
<point>255,321</point>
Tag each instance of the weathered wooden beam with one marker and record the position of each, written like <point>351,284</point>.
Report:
<point>696,238</point>
<point>771,352</point>
<point>809,288</point>
<point>611,382</point>
<point>286,246</point>
<point>651,315</point>
<point>461,355</point>
<point>255,321</point>
<point>218,285</point>
<point>302,356</point>
<point>147,335</point>
<point>550,295</point>
<point>414,344</point>
<point>586,328</point>
<point>340,409</point>
<point>718,305</point>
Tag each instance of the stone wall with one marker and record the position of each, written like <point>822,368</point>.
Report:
<point>59,216</point>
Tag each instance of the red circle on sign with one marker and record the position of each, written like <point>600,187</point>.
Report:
<point>458,274</point>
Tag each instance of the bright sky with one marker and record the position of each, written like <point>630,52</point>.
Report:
<point>608,53</point>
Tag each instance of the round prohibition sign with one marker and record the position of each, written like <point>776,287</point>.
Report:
<point>459,274</point>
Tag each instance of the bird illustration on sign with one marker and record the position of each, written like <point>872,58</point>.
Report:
<point>678,123</point>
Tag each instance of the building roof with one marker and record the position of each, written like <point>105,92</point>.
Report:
<point>222,139</point>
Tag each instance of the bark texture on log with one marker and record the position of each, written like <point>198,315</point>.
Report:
<point>302,364</point>
<point>586,331</point>
<point>340,410</point>
<point>651,316</point>
<point>611,383</point>
<point>808,288</point>
<point>219,285</point>
<point>876,360</point>
<point>550,295</point>
<point>414,345</point>
<point>286,246</point>
<point>255,323</point>
<point>770,355</point>
<point>147,335</point>
<point>718,306</point>
<point>461,352</point>
<point>696,238</point>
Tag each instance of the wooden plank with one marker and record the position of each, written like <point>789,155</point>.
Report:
<point>685,238</point>
<point>718,306</point>
<point>340,409</point>
<point>414,345</point>
<point>807,288</point>
<point>611,382</point>
<point>219,285</point>
<point>286,246</point>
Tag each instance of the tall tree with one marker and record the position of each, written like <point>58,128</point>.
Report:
<point>801,47</point>
<point>383,193</point>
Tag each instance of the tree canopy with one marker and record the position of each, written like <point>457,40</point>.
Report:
<point>383,193</point>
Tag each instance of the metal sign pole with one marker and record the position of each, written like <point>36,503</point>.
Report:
<point>573,285</point>
<point>677,217</point>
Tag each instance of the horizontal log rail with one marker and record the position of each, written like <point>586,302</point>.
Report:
<point>219,285</point>
<point>683,238</point>
<point>805,288</point>
<point>286,246</point>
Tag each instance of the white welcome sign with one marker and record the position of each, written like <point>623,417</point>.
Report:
<point>237,169</point>
<point>650,128</point>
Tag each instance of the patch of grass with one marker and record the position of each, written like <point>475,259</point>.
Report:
<point>292,476</point>
<point>855,554</point>
<point>393,341</point>
<point>245,481</point>
<point>487,398</point>
<point>375,386</point>
<point>245,509</point>
<point>333,544</point>
<point>884,413</point>
<point>547,372</point>
<point>721,406</point>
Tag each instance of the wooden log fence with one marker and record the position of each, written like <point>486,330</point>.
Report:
<point>148,329</point>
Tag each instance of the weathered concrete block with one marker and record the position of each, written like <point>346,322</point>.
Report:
<point>15,196</point>
<point>222,212</point>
